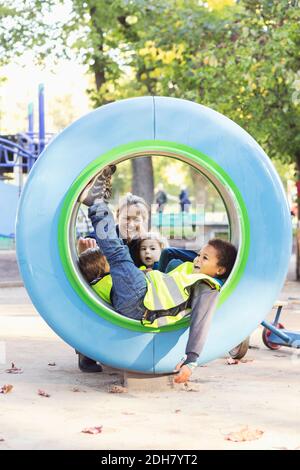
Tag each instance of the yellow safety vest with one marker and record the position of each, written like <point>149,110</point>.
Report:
<point>164,292</point>
<point>103,288</point>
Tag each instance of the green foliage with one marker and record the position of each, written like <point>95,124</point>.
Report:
<point>26,25</point>
<point>240,58</point>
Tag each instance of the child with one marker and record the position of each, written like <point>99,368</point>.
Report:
<point>150,247</point>
<point>157,295</point>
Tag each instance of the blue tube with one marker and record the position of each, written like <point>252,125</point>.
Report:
<point>176,122</point>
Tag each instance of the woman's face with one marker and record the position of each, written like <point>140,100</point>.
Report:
<point>133,221</point>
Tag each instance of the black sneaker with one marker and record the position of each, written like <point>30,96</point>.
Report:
<point>99,188</point>
<point>86,364</point>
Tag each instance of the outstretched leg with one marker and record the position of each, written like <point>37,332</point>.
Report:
<point>129,283</point>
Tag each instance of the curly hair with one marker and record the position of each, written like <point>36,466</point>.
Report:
<point>226,254</point>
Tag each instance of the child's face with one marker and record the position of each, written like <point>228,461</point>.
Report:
<point>132,222</point>
<point>207,262</point>
<point>150,251</point>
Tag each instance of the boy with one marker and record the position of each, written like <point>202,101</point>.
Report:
<point>139,296</point>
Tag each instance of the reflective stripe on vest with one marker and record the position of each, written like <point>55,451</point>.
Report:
<point>166,291</point>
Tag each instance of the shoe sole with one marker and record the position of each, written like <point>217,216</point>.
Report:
<point>87,197</point>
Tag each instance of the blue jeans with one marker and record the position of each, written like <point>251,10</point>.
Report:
<point>129,282</point>
<point>170,258</point>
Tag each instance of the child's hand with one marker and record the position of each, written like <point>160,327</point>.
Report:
<point>184,373</point>
<point>179,365</point>
<point>85,243</point>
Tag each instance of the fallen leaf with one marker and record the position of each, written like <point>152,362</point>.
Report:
<point>231,361</point>
<point>1,439</point>
<point>14,370</point>
<point>117,389</point>
<point>42,393</point>
<point>77,389</point>
<point>51,364</point>
<point>93,430</point>
<point>187,387</point>
<point>178,411</point>
<point>246,360</point>
<point>6,388</point>
<point>245,434</point>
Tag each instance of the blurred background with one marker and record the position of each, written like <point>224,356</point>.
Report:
<point>185,206</point>
<point>60,59</point>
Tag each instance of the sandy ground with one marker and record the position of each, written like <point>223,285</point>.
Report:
<point>263,394</point>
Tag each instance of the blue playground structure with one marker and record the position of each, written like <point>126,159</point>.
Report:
<point>18,153</point>
<point>255,201</point>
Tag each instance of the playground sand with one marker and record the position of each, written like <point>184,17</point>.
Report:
<point>262,394</point>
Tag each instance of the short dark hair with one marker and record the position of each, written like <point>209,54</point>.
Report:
<point>92,264</point>
<point>226,253</point>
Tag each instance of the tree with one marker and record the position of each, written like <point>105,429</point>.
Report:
<point>240,58</point>
<point>142,178</point>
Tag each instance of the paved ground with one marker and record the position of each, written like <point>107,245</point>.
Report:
<point>9,271</point>
<point>262,394</point>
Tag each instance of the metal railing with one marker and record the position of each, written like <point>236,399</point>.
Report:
<point>14,155</point>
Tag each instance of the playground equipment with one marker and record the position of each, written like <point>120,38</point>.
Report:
<point>18,153</point>
<point>188,225</point>
<point>22,149</point>
<point>14,155</point>
<point>275,335</point>
<point>242,174</point>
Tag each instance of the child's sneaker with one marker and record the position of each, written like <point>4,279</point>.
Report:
<point>99,188</point>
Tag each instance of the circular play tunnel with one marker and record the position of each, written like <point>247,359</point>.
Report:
<point>234,163</point>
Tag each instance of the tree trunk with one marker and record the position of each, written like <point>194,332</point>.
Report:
<point>142,178</point>
<point>199,183</point>
<point>99,60</point>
